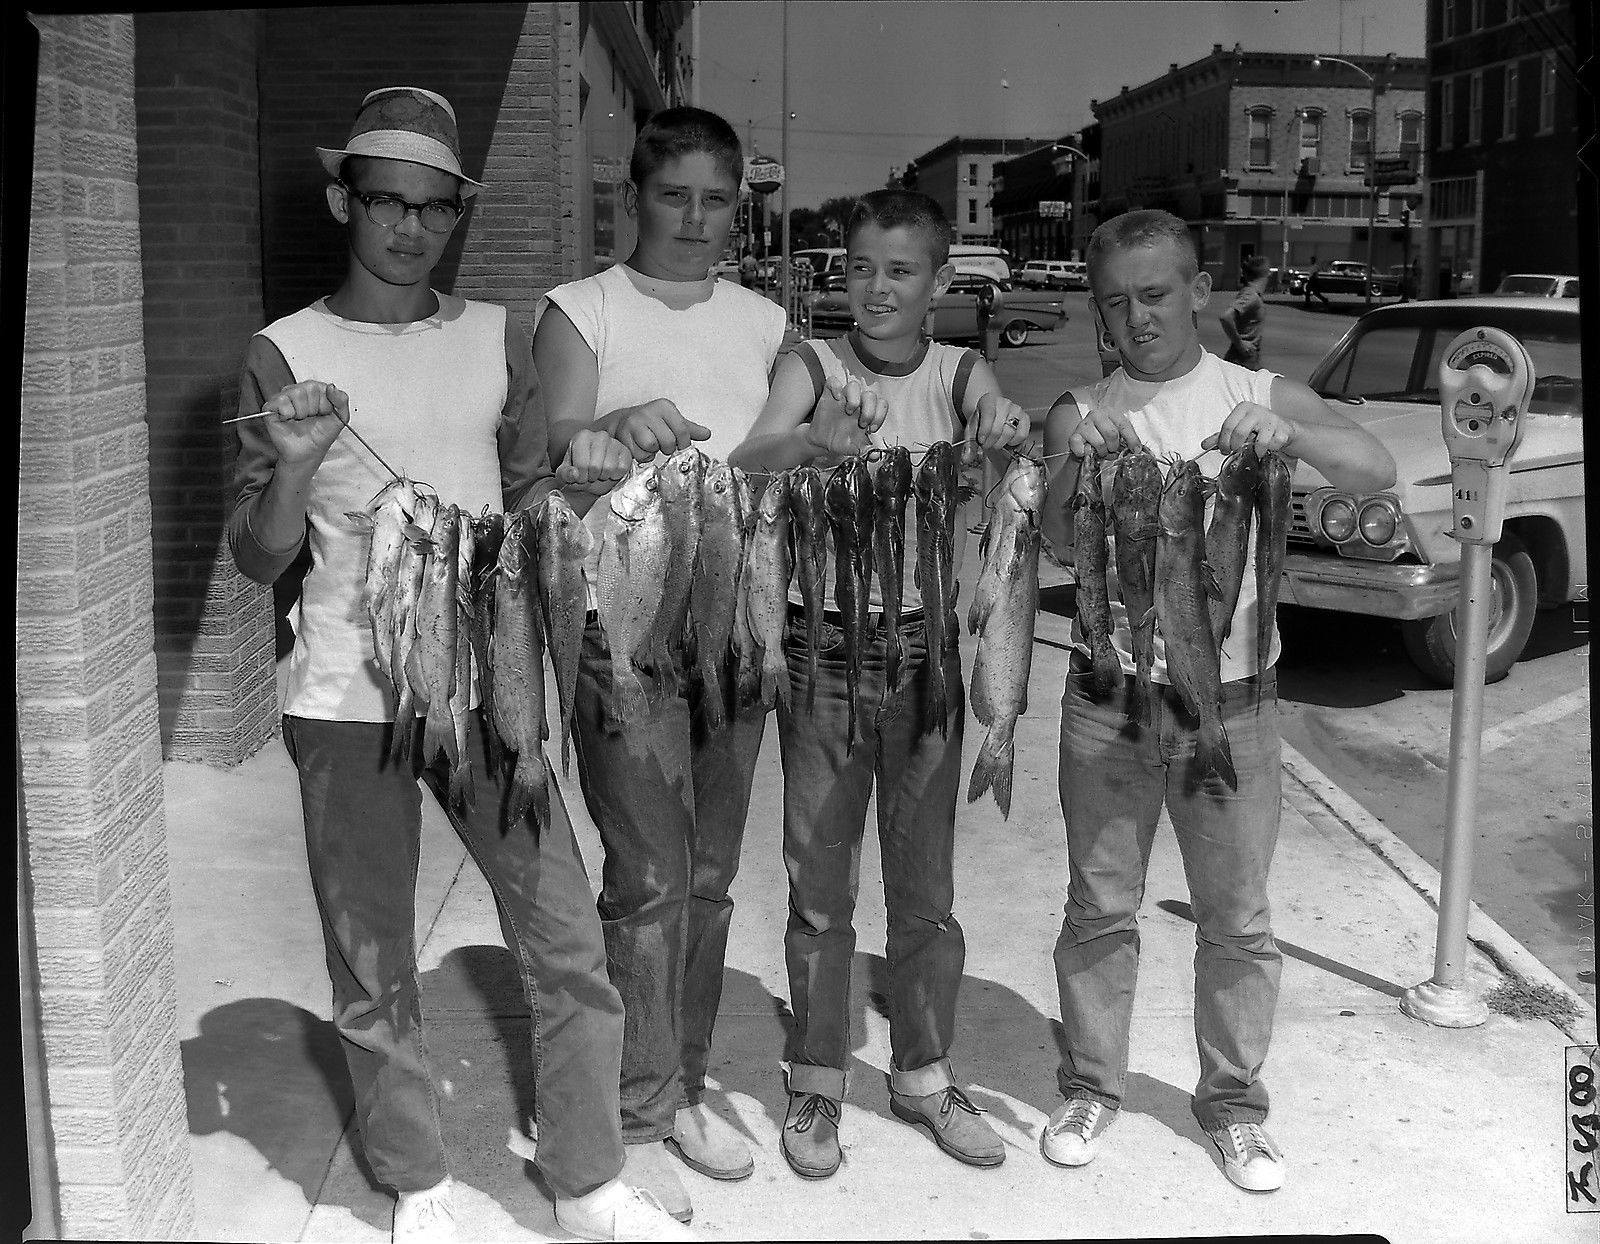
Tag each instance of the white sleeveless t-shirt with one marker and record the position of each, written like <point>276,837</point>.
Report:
<point>428,396</point>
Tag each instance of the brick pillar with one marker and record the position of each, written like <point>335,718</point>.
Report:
<point>86,670</point>
<point>200,228</point>
<point>523,239</point>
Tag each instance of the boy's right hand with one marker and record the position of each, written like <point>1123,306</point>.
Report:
<point>304,419</point>
<point>1103,433</point>
<point>595,462</point>
<point>656,427</point>
<point>845,415</point>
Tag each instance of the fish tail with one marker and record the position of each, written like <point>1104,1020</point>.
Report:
<point>463,792</point>
<point>566,744</point>
<point>711,678</point>
<point>439,735</point>
<point>992,770</point>
<point>1212,754</point>
<point>1139,701</point>
<point>529,789</point>
<point>938,705</point>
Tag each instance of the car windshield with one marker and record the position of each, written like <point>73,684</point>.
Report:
<point>1400,363</point>
<point>1540,285</point>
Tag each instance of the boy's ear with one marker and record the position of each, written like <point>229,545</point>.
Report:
<point>630,197</point>
<point>338,202</point>
<point>943,277</point>
<point>1200,289</point>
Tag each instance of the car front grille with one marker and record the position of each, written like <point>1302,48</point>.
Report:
<point>1299,524</point>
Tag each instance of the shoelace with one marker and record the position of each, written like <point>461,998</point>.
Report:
<point>815,1103</point>
<point>954,1097</point>
<point>1080,1117</point>
<point>433,1212</point>
<point>1249,1140</point>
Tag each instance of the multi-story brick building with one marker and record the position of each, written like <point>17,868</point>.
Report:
<point>957,175</point>
<point>1037,198</point>
<point>1502,175</point>
<point>177,206</point>
<point>1267,152</point>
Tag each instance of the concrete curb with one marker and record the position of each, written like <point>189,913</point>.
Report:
<point>1508,954</point>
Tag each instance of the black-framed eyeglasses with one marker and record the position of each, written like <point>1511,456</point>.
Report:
<point>388,210</point>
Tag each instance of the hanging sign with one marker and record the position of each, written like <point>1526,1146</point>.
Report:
<point>763,175</point>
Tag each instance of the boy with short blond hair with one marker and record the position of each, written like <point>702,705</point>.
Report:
<point>884,384</point>
<point>1174,398</point>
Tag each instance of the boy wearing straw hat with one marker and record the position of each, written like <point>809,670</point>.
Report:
<point>443,390</point>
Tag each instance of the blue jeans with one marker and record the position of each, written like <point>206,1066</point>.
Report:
<point>669,797</point>
<point>363,822</point>
<point>1114,779</point>
<point>825,794</point>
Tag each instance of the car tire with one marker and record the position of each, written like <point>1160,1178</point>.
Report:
<point>1514,593</point>
<point>1016,333</point>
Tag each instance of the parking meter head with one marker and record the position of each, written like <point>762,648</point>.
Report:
<point>1485,382</point>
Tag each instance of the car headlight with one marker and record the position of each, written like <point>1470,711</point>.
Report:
<point>1337,519</point>
<point>1378,522</point>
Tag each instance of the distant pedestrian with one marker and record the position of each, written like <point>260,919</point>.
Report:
<point>747,270</point>
<point>1242,320</point>
<point>1313,286</point>
<point>1116,775</point>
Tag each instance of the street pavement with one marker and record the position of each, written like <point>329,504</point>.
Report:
<point>1391,1127</point>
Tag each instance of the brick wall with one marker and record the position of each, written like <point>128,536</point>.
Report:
<point>199,208</point>
<point>510,73</point>
<point>86,669</point>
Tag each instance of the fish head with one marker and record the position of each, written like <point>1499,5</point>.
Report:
<point>682,476</point>
<point>516,547</point>
<point>774,505</point>
<point>638,491</point>
<point>1022,486</point>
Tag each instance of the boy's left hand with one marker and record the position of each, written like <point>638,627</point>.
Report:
<point>1250,420</point>
<point>999,423</point>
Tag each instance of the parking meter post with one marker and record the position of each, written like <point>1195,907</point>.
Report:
<point>1485,382</point>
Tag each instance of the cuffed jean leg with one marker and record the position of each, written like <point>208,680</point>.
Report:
<point>723,762</point>
<point>825,792</point>
<point>363,821</point>
<point>548,918</point>
<point>919,775</point>
<point>1227,839</point>
<point>1111,784</point>
<point>638,783</point>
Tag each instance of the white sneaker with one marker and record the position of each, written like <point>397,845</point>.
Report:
<point>426,1217</point>
<point>1073,1135</point>
<point>1249,1156</point>
<point>618,1212</point>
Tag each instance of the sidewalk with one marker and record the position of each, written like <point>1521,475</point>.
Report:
<point>1389,1126</point>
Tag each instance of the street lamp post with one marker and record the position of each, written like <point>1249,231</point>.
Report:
<point>1372,154</point>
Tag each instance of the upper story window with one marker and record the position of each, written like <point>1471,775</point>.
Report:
<point>972,174</point>
<point>1448,17</point>
<point>1475,19</point>
<point>1259,121</point>
<point>1360,138</point>
<point>1447,114</point>
<point>972,211</point>
<point>1475,107</point>
<point>1411,130</point>
<point>1547,93</point>
<point>1310,134</point>
<point>1509,102</point>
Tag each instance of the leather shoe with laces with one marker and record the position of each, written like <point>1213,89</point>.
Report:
<point>810,1139</point>
<point>425,1217</point>
<point>618,1212</point>
<point>957,1124</point>
<point>1250,1158</point>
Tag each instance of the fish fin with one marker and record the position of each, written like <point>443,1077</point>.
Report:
<point>982,708</point>
<point>1208,580</point>
<point>417,536</point>
<point>530,788</point>
<point>463,792</point>
<point>992,771</point>
<point>402,739</point>
<point>361,519</point>
<point>1212,754</point>
<point>439,735</point>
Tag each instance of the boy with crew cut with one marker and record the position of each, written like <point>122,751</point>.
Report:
<point>884,384</point>
<point>444,389</point>
<point>1174,398</point>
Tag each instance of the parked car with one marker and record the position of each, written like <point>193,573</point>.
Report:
<point>1388,554</point>
<point>1017,312</point>
<point>1351,277</point>
<point>1537,285</point>
<point>727,268</point>
<point>1054,274</point>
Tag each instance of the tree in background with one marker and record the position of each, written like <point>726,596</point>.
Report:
<point>820,226</point>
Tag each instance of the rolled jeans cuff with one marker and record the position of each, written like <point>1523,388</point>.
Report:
<point>809,1078</point>
<point>922,1081</point>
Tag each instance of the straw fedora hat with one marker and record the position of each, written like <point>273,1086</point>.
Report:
<point>404,123</point>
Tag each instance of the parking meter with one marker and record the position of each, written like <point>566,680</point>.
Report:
<point>1485,383</point>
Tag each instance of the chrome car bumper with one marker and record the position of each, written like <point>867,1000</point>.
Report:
<point>1380,589</point>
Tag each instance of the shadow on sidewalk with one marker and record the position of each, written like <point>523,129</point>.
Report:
<point>1355,975</point>
<point>274,1075</point>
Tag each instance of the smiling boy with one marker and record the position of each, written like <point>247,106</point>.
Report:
<point>884,384</point>
<point>1175,399</point>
